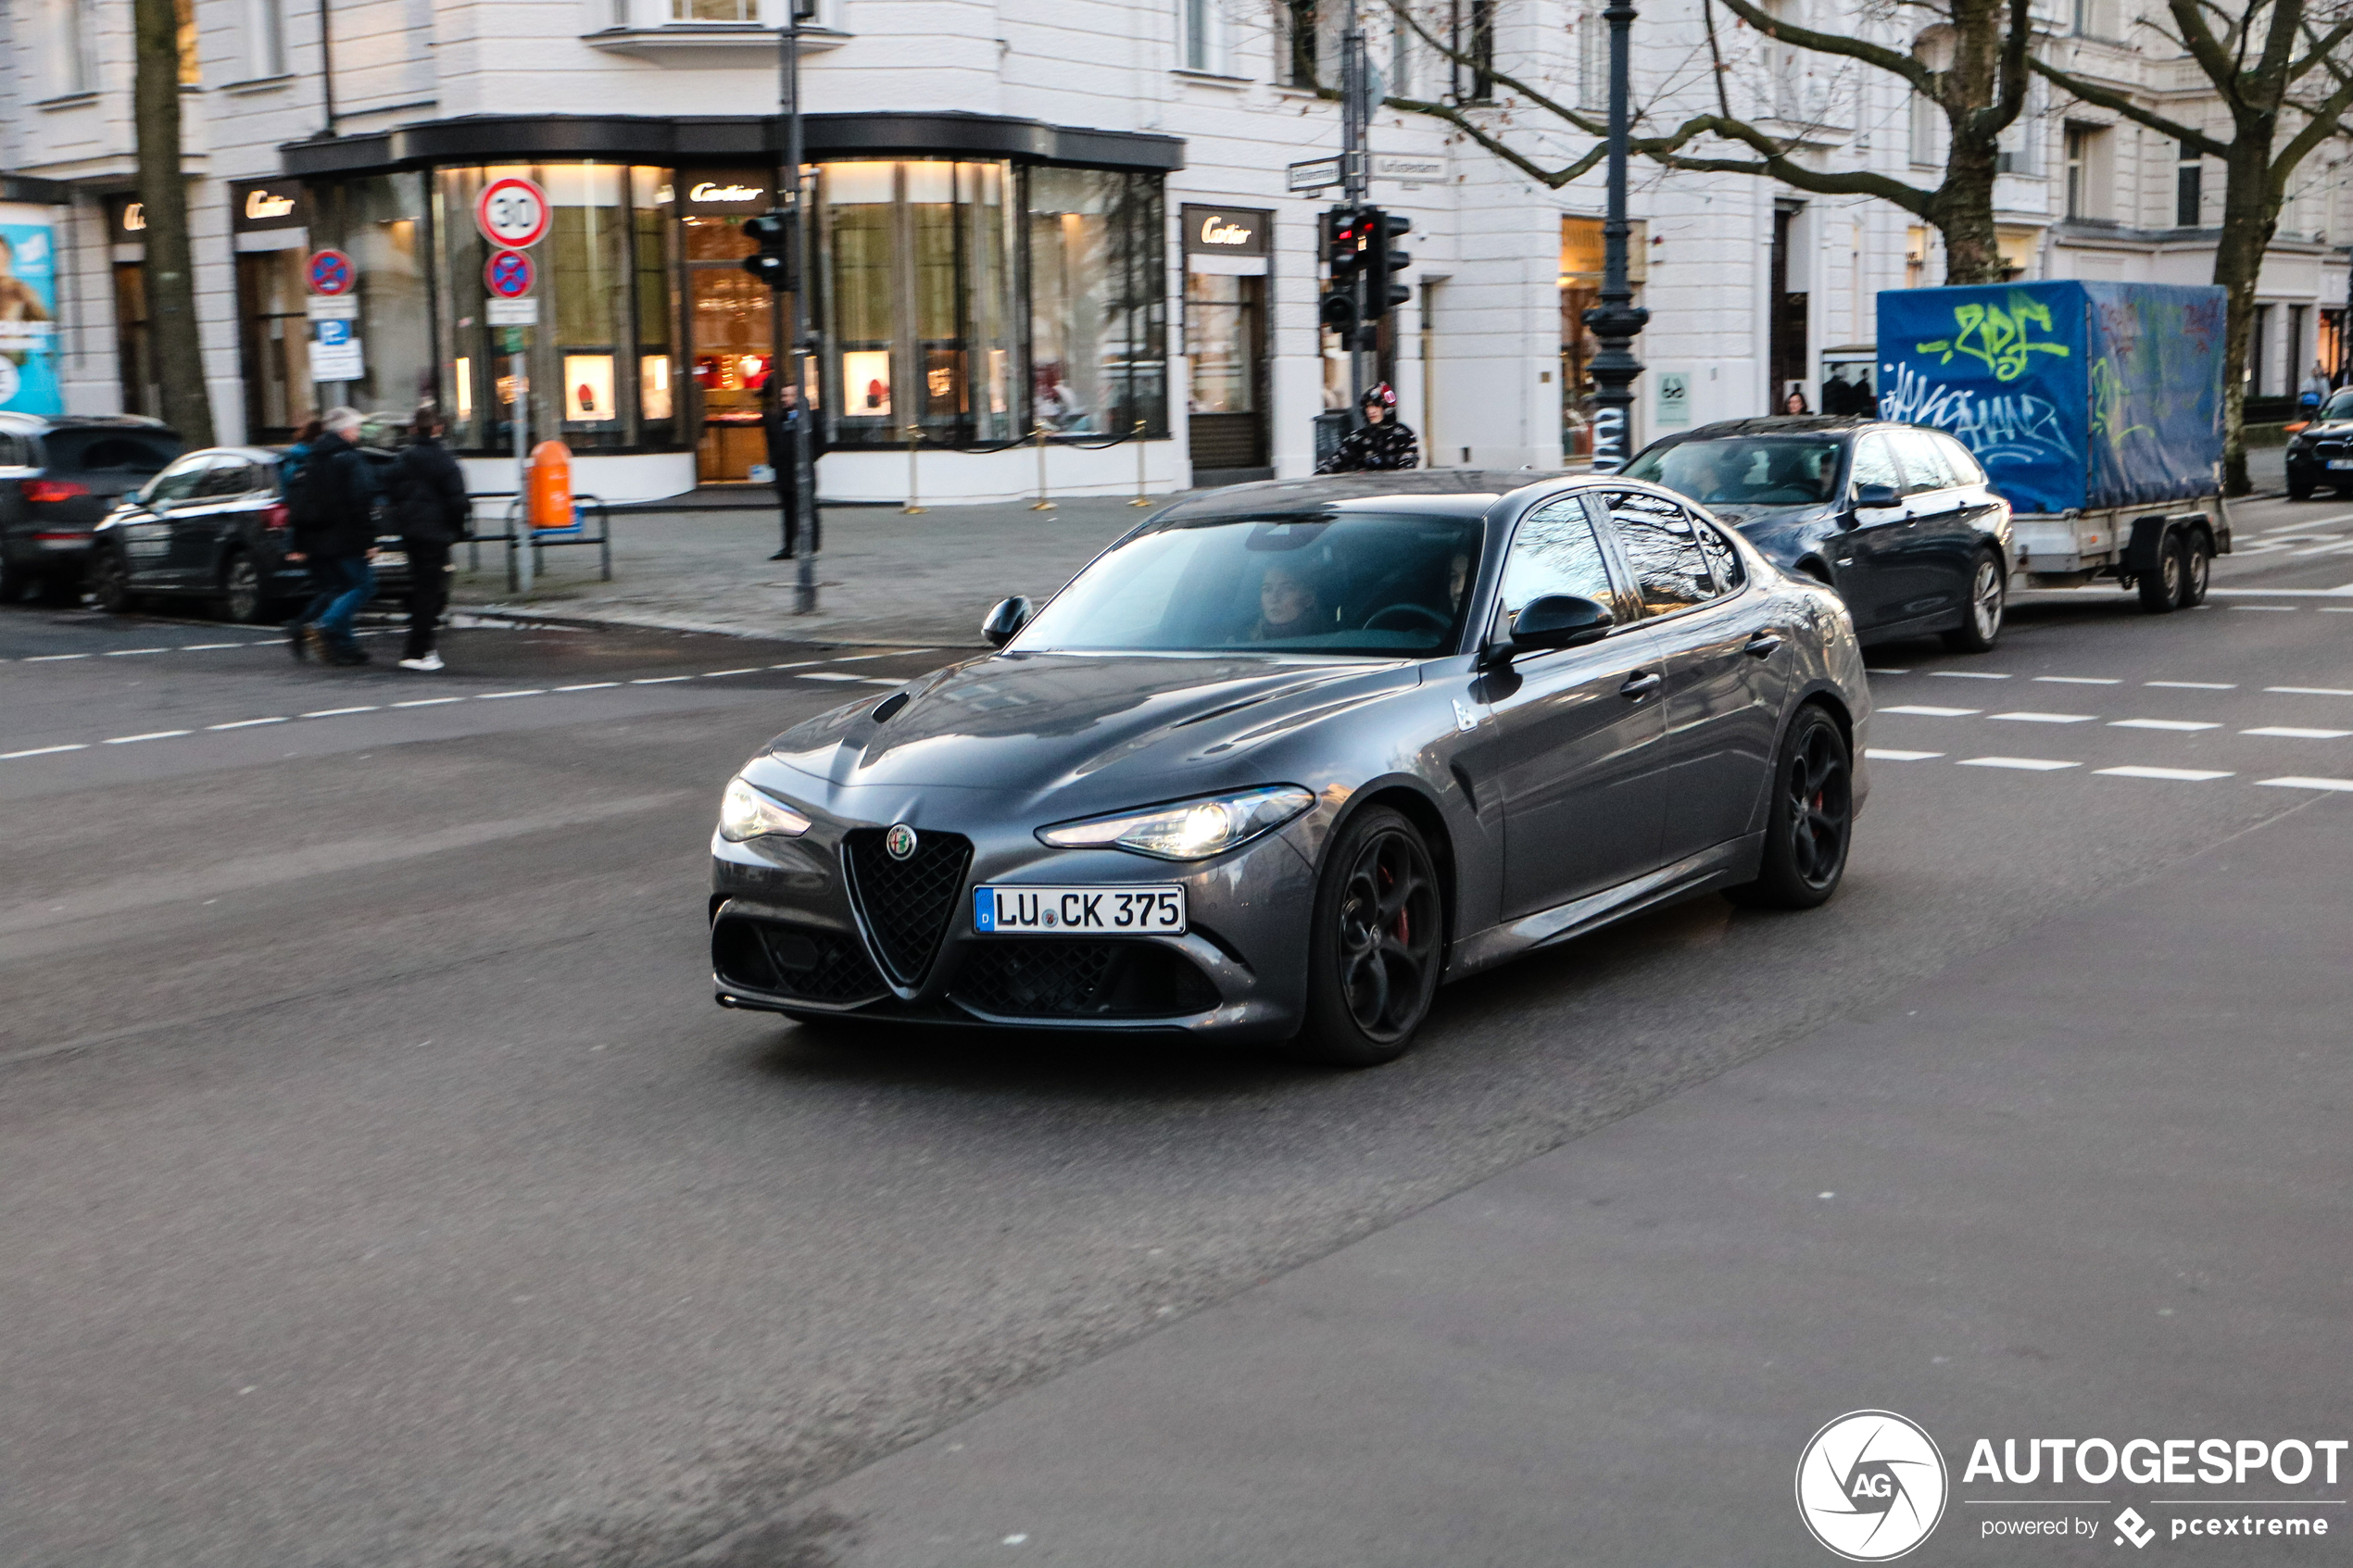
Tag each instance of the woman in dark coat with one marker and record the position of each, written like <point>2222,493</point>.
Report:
<point>430,507</point>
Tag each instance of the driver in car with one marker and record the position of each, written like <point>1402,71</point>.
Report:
<point>1288,606</point>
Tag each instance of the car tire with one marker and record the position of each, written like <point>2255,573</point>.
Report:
<point>13,583</point>
<point>61,590</point>
<point>1811,824</point>
<point>2162,589</point>
<point>2298,489</point>
<point>2198,569</point>
<point>111,585</point>
<point>1980,625</point>
<point>1375,939</point>
<point>244,599</point>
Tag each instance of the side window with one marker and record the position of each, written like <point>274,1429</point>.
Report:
<point>226,476</point>
<point>15,451</point>
<point>1555,551</point>
<point>1964,467</point>
<point>1661,546</point>
<point>1923,462</point>
<point>1875,463</point>
<point>178,481</point>
<point>1724,559</point>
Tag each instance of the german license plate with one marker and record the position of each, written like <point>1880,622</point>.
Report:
<point>2341,462</point>
<point>1078,911</point>
<point>391,557</point>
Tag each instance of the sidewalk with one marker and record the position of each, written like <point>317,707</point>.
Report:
<point>883,576</point>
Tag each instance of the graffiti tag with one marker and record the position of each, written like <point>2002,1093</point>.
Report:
<point>2001,338</point>
<point>2008,428</point>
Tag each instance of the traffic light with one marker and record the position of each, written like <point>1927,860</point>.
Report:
<point>1383,293</point>
<point>773,262</point>
<point>1346,236</point>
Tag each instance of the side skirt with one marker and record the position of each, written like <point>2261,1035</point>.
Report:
<point>1726,865</point>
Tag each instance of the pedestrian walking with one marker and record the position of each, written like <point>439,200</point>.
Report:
<point>780,415</point>
<point>429,505</point>
<point>331,504</point>
<point>1381,443</point>
<point>1795,402</point>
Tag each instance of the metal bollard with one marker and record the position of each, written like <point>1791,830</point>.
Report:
<point>1042,504</point>
<point>1141,500</point>
<point>914,498</point>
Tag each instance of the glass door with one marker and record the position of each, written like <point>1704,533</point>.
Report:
<point>731,321</point>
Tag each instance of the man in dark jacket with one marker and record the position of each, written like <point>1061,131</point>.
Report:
<point>781,414</point>
<point>1379,443</point>
<point>429,507</point>
<point>332,503</point>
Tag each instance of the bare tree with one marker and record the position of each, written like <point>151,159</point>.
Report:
<point>2259,60</point>
<point>163,199</point>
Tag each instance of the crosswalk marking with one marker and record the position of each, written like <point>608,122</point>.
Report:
<point>2308,783</point>
<point>2047,718</point>
<point>2189,775</point>
<point>2179,724</point>
<point>2290,732</point>
<point>1935,712</point>
<point>1879,754</point>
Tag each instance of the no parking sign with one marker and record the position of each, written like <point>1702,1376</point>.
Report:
<point>508,274</point>
<point>332,273</point>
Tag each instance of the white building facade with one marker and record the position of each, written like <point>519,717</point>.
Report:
<point>1068,217</point>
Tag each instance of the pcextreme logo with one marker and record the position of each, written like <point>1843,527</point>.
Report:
<point>1871,1485</point>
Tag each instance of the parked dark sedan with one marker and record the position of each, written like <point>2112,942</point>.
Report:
<point>2320,455</point>
<point>1899,520</point>
<point>59,476</point>
<point>213,526</point>
<point>1286,756</point>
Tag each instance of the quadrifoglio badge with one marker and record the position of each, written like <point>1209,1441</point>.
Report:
<point>1872,1485</point>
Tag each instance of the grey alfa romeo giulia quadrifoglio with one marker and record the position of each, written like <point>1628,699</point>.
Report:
<point>1287,755</point>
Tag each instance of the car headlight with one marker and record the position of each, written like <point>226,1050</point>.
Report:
<point>748,812</point>
<point>1187,830</point>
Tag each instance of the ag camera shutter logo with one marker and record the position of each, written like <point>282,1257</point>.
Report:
<point>1871,1485</point>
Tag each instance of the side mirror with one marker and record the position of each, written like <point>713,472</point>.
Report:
<point>1003,622</point>
<point>1556,621</point>
<point>1876,497</point>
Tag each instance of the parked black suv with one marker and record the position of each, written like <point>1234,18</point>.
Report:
<point>213,525</point>
<point>2320,455</point>
<point>59,476</point>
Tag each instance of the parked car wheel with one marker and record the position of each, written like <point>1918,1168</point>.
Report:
<point>110,583</point>
<point>13,583</point>
<point>1375,946</point>
<point>1813,818</point>
<point>62,589</point>
<point>242,598</point>
<point>1980,625</point>
<point>2198,569</point>
<point>2162,589</point>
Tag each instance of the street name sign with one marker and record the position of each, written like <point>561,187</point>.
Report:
<point>512,312</point>
<point>1316,174</point>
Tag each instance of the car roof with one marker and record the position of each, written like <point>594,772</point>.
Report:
<point>1455,492</point>
<point>1782,424</point>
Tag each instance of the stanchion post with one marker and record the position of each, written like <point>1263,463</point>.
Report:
<point>915,497</point>
<point>1042,504</point>
<point>1141,500</point>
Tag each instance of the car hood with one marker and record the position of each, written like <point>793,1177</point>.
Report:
<point>1136,728</point>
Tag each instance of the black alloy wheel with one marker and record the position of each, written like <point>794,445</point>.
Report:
<point>2162,589</point>
<point>1980,625</point>
<point>110,583</point>
<point>1813,820</point>
<point>1375,946</point>
<point>241,598</point>
<point>2198,569</point>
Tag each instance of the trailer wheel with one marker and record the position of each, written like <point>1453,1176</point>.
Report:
<point>2198,568</point>
<point>2162,589</point>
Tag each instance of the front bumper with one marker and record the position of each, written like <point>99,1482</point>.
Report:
<point>794,930</point>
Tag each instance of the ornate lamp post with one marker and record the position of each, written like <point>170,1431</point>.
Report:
<point>1618,319</point>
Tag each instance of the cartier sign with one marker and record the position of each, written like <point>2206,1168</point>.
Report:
<point>1225,231</point>
<point>727,193</point>
<point>265,204</point>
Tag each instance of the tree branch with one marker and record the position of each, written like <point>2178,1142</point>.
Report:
<point>1774,161</point>
<point>2102,98</point>
<point>1806,38</point>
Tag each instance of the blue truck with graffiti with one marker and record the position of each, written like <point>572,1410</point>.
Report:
<point>2096,411</point>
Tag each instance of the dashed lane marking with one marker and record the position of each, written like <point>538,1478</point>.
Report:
<point>2194,685</point>
<point>54,658</point>
<point>714,674</point>
<point>2309,691</point>
<point>1968,675</point>
<point>827,675</point>
<point>659,679</point>
<point>247,723</point>
<point>126,653</point>
<point>427,701</point>
<point>1879,754</point>
<point>2290,732</point>
<point>151,734</point>
<point>2184,726</point>
<point>2283,610</point>
<point>2186,775</point>
<point>1935,712</point>
<point>339,712</point>
<point>2027,765</point>
<point>2308,783</point>
<point>201,647</point>
<point>2080,680</point>
<point>797,664</point>
<point>494,697</point>
<point>1875,670</point>
<point>590,687</point>
<point>42,751</point>
<point>2047,718</point>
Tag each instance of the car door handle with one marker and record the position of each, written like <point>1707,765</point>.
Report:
<point>1762,646</point>
<point>1641,685</point>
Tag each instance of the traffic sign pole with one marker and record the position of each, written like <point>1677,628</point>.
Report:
<point>804,490</point>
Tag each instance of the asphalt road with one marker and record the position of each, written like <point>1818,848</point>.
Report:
<point>385,1189</point>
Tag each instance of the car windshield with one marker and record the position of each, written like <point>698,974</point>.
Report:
<point>95,449</point>
<point>2339,407</point>
<point>1744,470</point>
<point>1353,582</point>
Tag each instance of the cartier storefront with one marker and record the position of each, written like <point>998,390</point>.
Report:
<point>974,279</point>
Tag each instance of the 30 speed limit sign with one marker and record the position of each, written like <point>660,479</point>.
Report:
<point>511,212</point>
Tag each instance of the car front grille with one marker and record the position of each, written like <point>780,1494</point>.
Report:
<point>1058,977</point>
<point>804,963</point>
<point>907,903</point>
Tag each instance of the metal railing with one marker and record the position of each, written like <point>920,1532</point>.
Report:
<point>586,510</point>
